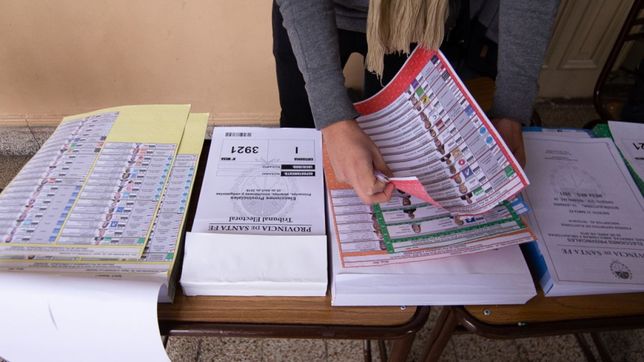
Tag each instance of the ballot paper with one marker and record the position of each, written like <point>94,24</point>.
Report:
<point>93,189</point>
<point>498,276</point>
<point>259,227</point>
<point>163,246</point>
<point>407,229</point>
<point>427,125</point>
<point>100,183</point>
<point>428,128</point>
<point>70,318</point>
<point>587,216</point>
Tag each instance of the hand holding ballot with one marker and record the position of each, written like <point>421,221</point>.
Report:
<point>426,126</point>
<point>357,161</point>
<point>354,158</point>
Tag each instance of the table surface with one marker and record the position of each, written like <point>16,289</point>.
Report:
<point>279,310</point>
<point>550,309</point>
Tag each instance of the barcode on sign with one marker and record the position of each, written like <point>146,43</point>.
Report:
<point>239,134</point>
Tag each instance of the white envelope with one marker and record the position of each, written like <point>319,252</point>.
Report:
<point>269,265</point>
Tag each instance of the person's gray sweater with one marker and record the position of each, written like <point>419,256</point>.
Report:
<point>524,29</point>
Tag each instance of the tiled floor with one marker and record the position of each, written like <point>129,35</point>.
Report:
<point>17,143</point>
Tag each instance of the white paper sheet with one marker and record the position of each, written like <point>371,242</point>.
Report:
<point>234,264</point>
<point>65,318</point>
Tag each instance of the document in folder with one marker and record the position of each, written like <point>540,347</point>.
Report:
<point>587,215</point>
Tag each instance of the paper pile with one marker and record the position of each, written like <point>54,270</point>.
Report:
<point>105,196</point>
<point>259,227</point>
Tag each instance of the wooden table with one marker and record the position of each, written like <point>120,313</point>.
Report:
<point>541,316</point>
<point>291,317</point>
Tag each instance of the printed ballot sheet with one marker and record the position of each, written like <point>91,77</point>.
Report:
<point>78,195</point>
<point>427,125</point>
<point>262,181</point>
<point>587,212</point>
<point>71,318</point>
<point>163,243</point>
<point>407,229</point>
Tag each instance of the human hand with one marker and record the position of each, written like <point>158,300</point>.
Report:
<point>510,131</point>
<point>354,157</point>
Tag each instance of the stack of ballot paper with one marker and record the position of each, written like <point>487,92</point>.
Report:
<point>259,227</point>
<point>90,230</point>
<point>456,186</point>
<point>106,196</point>
<point>587,214</point>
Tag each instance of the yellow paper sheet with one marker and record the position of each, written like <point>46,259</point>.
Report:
<point>194,134</point>
<point>157,123</point>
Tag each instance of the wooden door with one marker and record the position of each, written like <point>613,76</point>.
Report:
<point>584,33</point>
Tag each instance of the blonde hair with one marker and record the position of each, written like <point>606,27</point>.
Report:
<point>392,25</point>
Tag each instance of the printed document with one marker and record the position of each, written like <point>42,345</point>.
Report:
<point>587,213</point>
<point>407,229</point>
<point>262,181</point>
<point>427,125</point>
